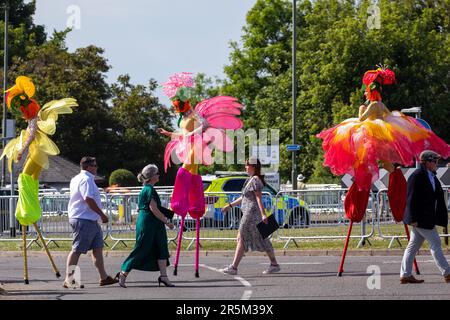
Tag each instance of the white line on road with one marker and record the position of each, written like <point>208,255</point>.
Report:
<point>243,281</point>
<point>400,261</point>
<point>247,293</point>
<point>296,263</point>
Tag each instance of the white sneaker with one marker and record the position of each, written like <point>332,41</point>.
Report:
<point>230,270</point>
<point>272,269</point>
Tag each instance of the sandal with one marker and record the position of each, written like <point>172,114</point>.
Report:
<point>73,285</point>
<point>108,281</point>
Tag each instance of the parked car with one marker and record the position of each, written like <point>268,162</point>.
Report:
<point>289,211</point>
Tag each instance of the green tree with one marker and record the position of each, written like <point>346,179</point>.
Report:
<point>122,178</point>
<point>57,74</point>
<point>335,48</point>
<point>22,32</point>
<point>137,115</point>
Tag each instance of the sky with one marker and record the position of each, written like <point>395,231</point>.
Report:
<point>151,38</point>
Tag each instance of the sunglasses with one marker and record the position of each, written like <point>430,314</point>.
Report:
<point>93,165</point>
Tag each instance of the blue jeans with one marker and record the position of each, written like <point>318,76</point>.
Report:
<point>418,236</point>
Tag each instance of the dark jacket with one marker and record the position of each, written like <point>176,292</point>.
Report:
<point>424,205</point>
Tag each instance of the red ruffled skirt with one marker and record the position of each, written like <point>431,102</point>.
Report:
<point>355,147</point>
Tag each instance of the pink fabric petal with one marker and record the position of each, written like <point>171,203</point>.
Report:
<point>182,79</point>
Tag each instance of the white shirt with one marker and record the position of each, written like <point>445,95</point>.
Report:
<point>81,187</point>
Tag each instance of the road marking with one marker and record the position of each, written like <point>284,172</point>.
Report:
<point>247,293</point>
<point>243,281</point>
<point>400,261</point>
<point>296,263</point>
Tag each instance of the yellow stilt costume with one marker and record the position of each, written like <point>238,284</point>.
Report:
<point>41,123</point>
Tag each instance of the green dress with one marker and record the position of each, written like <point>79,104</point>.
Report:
<point>151,236</point>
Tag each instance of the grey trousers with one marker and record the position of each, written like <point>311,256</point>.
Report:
<point>418,236</point>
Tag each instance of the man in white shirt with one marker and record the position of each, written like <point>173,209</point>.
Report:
<point>84,212</point>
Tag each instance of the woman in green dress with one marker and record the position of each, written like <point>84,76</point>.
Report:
<point>150,252</point>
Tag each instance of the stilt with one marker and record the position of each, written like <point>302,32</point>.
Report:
<point>416,267</point>
<point>341,267</point>
<point>25,262</point>
<point>197,247</point>
<point>177,255</point>
<point>55,269</point>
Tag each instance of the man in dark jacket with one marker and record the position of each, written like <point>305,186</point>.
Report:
<point>425,209</point>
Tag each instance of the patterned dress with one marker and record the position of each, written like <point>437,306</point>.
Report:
<point>251,216</point>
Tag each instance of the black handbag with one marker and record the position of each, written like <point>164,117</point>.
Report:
<point>166,212</point>
<point>269,228</point>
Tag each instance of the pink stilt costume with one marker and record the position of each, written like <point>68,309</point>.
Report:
<point>202,130</point>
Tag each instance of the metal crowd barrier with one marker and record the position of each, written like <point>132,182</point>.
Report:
<point>123,213</point>
<point>318,214</point>
<point>391,230</point>
<point>216,226</point>
<point>10,229</point>
<point>305,215</point>
<point>54,223</point>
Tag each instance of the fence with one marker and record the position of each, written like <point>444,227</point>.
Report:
<point>303,215</point>
<point>318,214</point>
<point>389,229</point>
<point>123,212</point>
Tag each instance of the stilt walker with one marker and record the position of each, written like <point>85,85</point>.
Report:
<point>357,145</point>
<point>35,140</point>
<point>202,129</point>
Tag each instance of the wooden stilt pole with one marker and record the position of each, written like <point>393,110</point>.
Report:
<point>341,267</point>
<point>197,247</point>
<point>55,269</point>
<point>177,254</point>
<point>25,262</point>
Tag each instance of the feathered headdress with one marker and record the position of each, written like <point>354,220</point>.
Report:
<point>179,89</point>
<point>374,80</point>
<point>18,98</point>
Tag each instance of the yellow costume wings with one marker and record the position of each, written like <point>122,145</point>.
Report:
<point>41,146</point>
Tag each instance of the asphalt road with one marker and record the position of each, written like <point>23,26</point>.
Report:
<point>301,277</point>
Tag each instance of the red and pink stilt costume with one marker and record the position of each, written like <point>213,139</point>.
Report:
<point>356,145</point>
<point>202,130</point>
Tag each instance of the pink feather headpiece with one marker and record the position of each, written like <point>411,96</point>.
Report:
<point>178,80</point>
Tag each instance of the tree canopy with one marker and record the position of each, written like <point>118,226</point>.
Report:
<point>118,122</point>
<point>334,49</point>
<point>115,122</point>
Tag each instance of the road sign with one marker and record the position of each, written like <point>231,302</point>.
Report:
<point>267,154</point>
<point>293,147</point>
<point>424,124</point>
<point>442,174</point>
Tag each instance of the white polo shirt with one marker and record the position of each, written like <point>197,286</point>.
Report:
<point>81,187</point>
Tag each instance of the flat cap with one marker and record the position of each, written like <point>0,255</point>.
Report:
<point>428,155</point>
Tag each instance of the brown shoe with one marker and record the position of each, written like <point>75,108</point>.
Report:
<point>410,279</point>
<point>109,280</point>
<point>447,278</point>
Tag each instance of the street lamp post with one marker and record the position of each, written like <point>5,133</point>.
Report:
<point>294,94</point>
<point>5,72</point>
<point>416,111</point>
